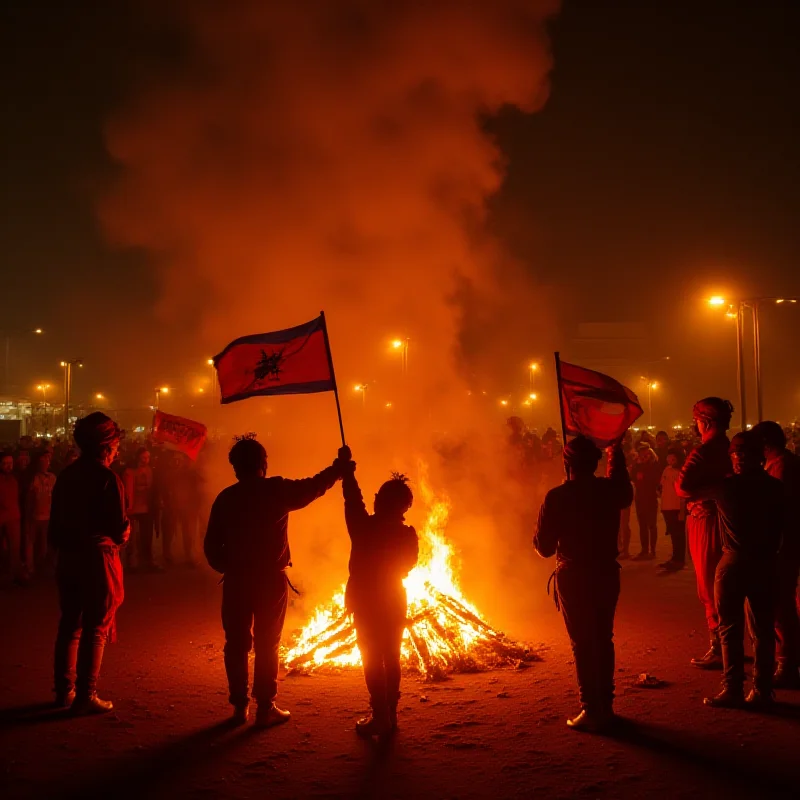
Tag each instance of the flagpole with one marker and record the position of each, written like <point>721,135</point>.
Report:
<point>561,398</point>
<point>333,376</point>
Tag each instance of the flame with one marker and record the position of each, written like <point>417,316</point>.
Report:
<point>445,631</point>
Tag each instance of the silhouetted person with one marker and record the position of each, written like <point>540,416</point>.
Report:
<point>247,541</point>
<point>10,517</point>
<point>87,527</point>
<point>699,483</point>
<point>579,522</point>
<point>752,508</point>
<point>673,511</point>
<point>140,495</point>
<point>181,497</point>
<point>662,448</point>
<point>646,475</point>
<point>383,551</point>
<point>38,502</point>
<point>785,466</point>
<point>624,543</point>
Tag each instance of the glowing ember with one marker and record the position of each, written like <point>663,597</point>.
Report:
<point>445,633</point>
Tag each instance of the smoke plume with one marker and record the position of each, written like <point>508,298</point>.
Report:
<point>288,157</point>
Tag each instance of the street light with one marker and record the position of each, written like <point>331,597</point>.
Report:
<point>210,363</point>
<point>401,345</point>
<point>159,391</point>
<point>361,388</point>
<point>68,365</point>
<point>736,311</point>
<point>534,367</point>
<point>651,386</point>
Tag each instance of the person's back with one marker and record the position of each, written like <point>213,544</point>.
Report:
<point>579,520</point>
<point>247,541</point>
<point>751,514</point>
<point>252,516</point>
<point>87,508</point>
<point>384,550</point>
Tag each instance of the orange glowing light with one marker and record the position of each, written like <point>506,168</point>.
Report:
<point>716,300</point>
<point>397,344</point>
<point>504,402</point>
<point>445,631</point>
<point>532,396</point>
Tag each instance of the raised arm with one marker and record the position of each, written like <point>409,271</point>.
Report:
<point>297,494</point>
<point>355,510</point>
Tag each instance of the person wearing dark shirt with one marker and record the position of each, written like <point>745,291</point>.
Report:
<point>87,528</point>
<point>699,483</point>
<point>579,523</point>
<point>247,541</point>
<point>751,506</point>
<point>646,475</point>
<point>784,465</point>
<point>383,551</point>
<point>662,448</point>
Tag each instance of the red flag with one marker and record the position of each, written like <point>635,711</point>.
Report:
<point>293,361</point>
<point>178,433</point>
<point>595,405</point>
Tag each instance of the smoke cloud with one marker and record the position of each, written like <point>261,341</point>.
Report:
<point>289,157</point>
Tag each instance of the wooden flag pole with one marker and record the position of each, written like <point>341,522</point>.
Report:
<point>561,398</point>
<point>333,377</point>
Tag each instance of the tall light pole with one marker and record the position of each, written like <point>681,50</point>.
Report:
<point>401,345</point>
<point>361,388</point>
<point>8,335</point>
<point>68,365</point>
<point>210,363</point>
<point>651,384</point>
<point>159,391</point>
<point>736,310</point>
<point>43,387</point>
<point>533,368</point>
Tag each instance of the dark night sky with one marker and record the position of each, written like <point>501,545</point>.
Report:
<point>664,164</point>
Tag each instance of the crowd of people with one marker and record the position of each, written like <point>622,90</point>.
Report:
<point>734,501</point>
<point>165,499</point>
<point>740,498</point>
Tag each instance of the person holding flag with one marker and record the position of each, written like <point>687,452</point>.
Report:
<point>579,523</point>
<point>247,541</point>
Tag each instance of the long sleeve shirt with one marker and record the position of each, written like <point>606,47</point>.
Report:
<point>786,468</point>
<point>752,509</point>
<point>579,520</point>
<point>383,552</point>
<point>701,476</point>
<point>248,529</point>
<point>88,508</point>
<point>40,497</point>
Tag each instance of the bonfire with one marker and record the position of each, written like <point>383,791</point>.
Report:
<point>445,632</point>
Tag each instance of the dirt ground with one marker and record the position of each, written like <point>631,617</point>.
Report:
<point>494,734</point>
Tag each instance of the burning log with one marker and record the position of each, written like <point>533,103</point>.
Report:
<point>445,633</point>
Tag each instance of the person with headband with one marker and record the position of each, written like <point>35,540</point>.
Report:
<point>699,483</point>
<point>87,528</point>
<point>578,523</point>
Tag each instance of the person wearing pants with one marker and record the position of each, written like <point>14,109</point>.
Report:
<point>672,509</point>
<point>699,483</point>
<point>247,541</point>
<point>87,528</point>
<point>784,465</point>
<point>383,551</point>
<point>578,523</point>
<point>752,508</point>
<point>646,474</point>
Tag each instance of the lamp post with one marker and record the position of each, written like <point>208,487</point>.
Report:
<point>736,311</point>
<point>534,367</point>
<point>68,365</point>
<point>361,388</point>
<point>43,387</point>
<point>159,391</point>
<point>401,345</point>
<point>210,363</point>
<point>8,335</point>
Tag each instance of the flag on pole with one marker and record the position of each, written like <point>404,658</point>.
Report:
<point>179,433</point>
<point>595,405</point>
<point>292,361</point>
